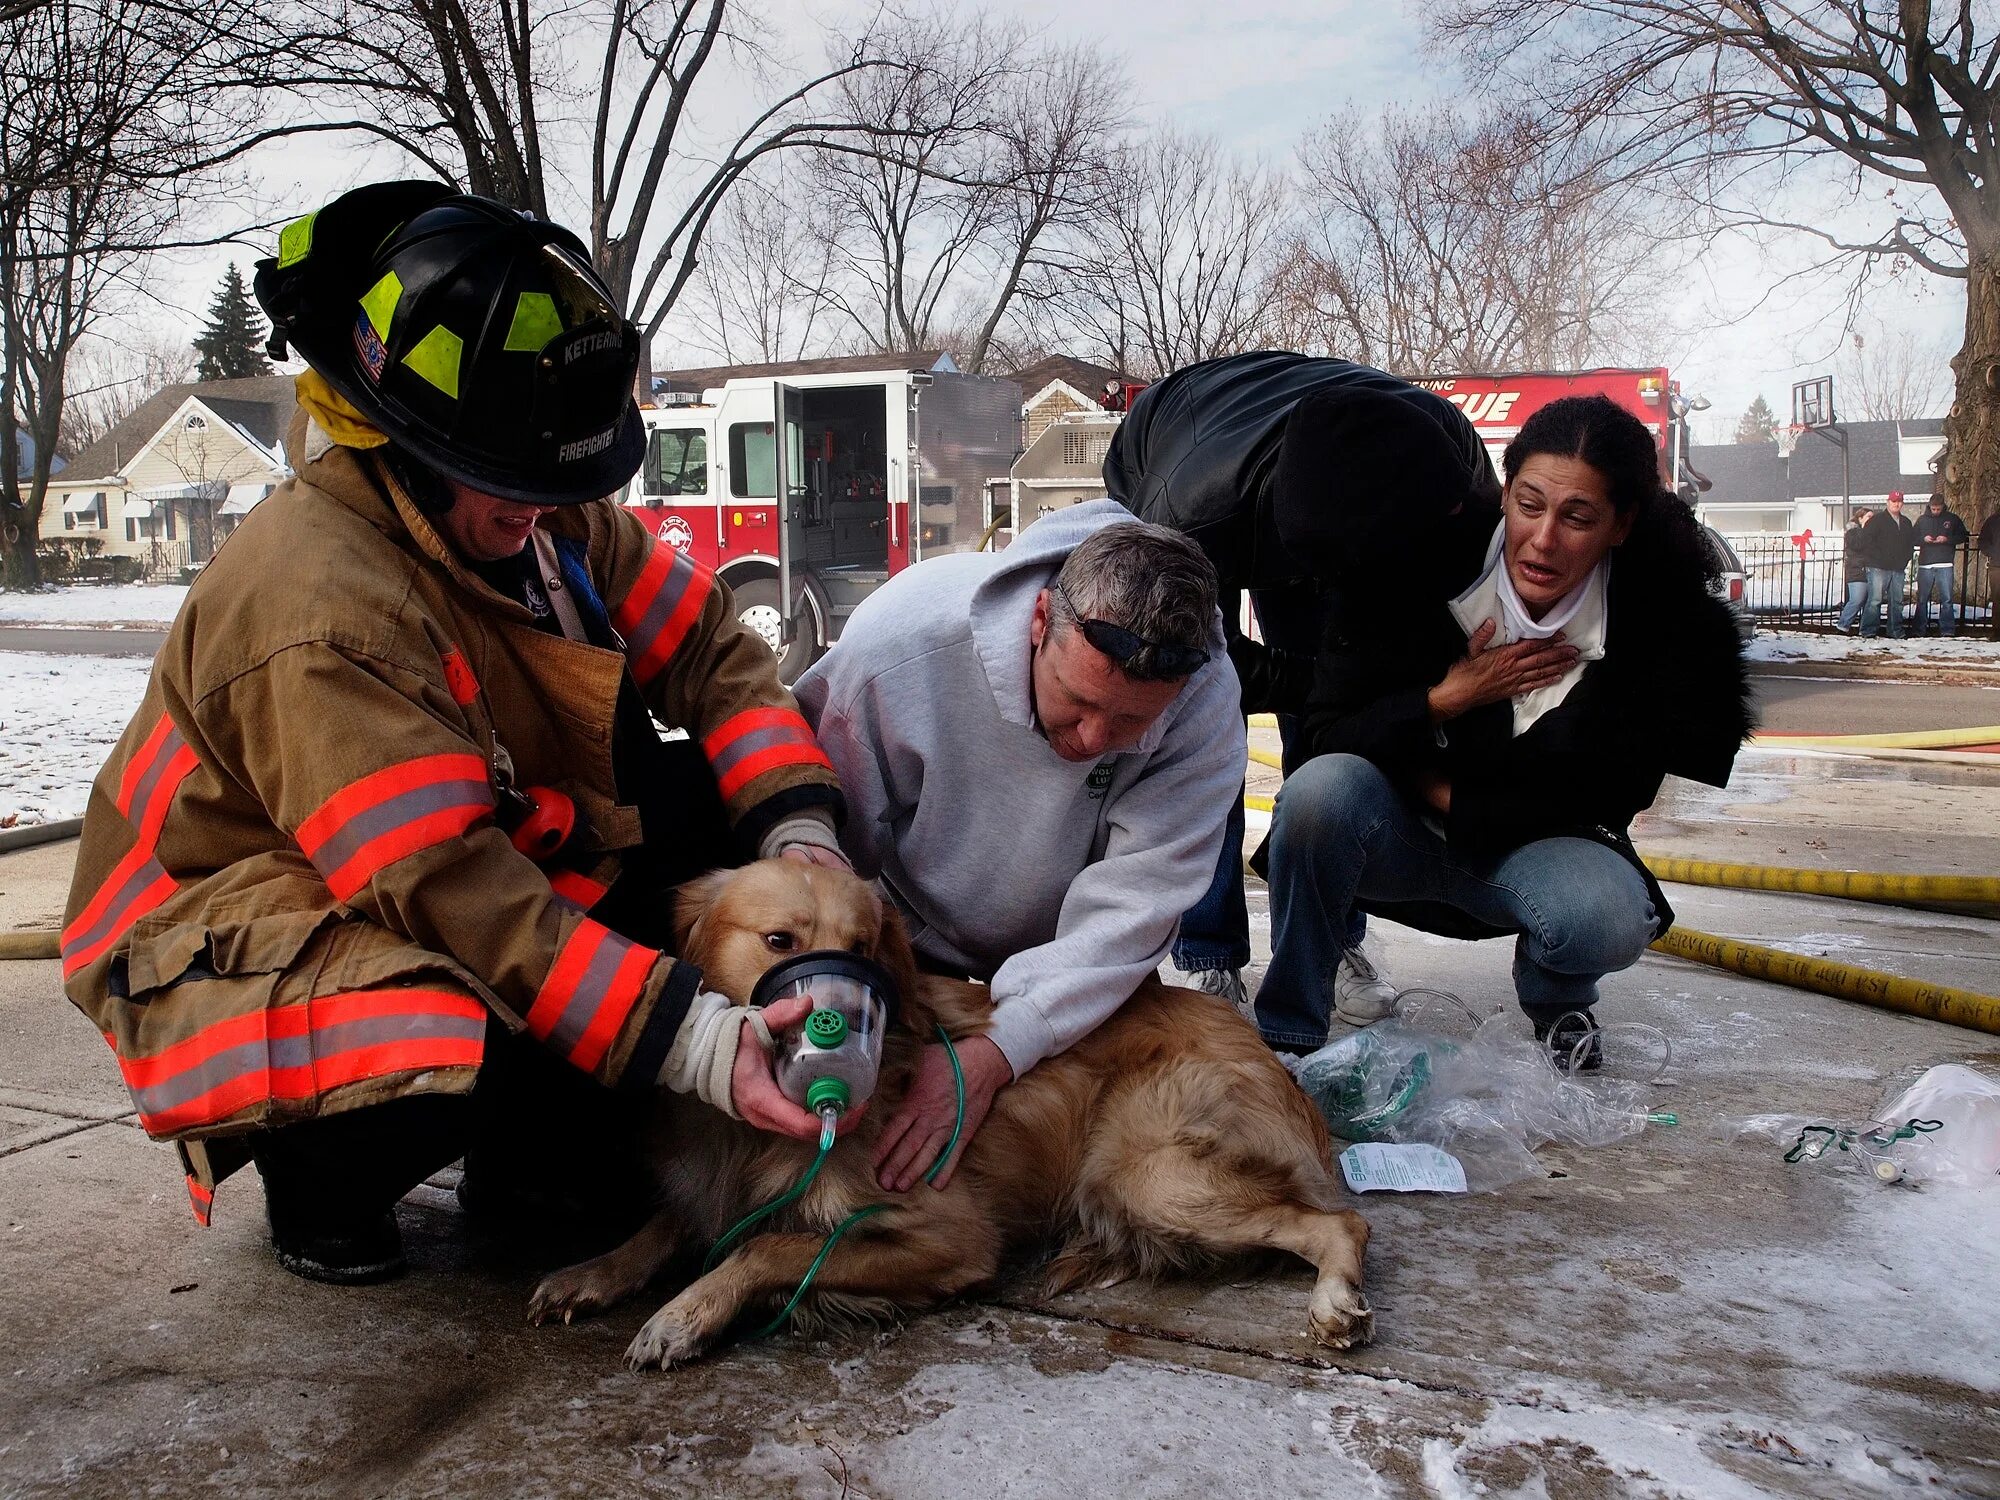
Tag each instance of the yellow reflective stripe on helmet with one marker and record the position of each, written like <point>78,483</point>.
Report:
<point>436,359</point>
<point>380,303</point>
<point>295,241</point>
<point>536,321</point>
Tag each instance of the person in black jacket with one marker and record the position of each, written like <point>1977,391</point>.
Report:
<point>1889,543</point>
<point>1270,462</point>
<point>1854,560</point>
<point>1477,753</point>
<point>1939,536</point>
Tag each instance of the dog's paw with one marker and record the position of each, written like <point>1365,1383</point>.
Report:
<point>672,1336</point>
<point>1340,1316</point>
<point>576,1292</point>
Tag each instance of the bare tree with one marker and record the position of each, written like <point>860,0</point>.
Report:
<point>1892,377</point>
<point>1735,103</point>
<point>1004,161</point>
<point>1433,243</point>
<point>99,129</point>
<point>491,93</point>
<point>1184,264</point>
<point>761,291</point>
<point>106,381</point>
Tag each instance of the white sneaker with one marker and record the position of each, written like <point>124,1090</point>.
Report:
<point>1361,992</point>
<point>1226,985</point>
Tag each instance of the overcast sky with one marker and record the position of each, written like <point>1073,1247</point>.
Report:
<point>1259,76</point>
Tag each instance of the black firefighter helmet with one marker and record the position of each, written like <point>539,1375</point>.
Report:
<point>479,340</point>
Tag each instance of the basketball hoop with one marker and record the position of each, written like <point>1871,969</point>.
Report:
<point>1788,438</point>
<point>1812,402</point>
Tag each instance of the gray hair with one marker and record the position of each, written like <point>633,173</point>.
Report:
<point>1145,579</point>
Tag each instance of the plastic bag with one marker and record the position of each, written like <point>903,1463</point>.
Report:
<point>1943,1131</point>
<point>1488,1098</point>
<point>1965,1150</point>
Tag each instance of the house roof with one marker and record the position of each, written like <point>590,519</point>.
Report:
<point>1758,474</point>
<point>708,376</point>
<point>24,456</point>
<point>1081,374</point>
<point>261,405</point>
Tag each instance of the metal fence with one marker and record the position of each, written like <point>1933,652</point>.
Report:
<point>1784,586</point>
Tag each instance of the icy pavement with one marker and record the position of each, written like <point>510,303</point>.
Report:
<point>153,604</point>
<point>59,718</point>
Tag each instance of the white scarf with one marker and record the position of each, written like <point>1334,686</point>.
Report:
<point>1579,614</point>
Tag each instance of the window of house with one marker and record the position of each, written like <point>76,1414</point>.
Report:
<point>168,505</point>
<point>677,462</point>
<point>196,423</point>
<point>103,513</point>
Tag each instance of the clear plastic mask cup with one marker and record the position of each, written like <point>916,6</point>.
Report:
<point>832,1058</point>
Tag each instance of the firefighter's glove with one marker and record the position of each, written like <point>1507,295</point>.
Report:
<point>704,1054</point>
<point>805,837</point>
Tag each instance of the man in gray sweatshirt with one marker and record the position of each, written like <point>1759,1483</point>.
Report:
<point>1039,749</point>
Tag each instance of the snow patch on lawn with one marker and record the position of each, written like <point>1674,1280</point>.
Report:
<point>153,604</point>
<point>1955,651</point>
<point>59,718</point>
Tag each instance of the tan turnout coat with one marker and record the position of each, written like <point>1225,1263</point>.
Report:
<point>292,897</point>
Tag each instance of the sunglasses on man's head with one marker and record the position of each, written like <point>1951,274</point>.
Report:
<point>1123,646</point>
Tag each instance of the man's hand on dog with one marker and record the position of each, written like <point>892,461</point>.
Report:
<point>917,1132</point>
<point>753,1088</point>
<point>815,854</point>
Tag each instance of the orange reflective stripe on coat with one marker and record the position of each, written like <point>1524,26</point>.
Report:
<point>299,1052</point>
<point>663,605</point>
<point>597,979</point>
<point>759,740</point>
<point>368,825</point>
<point>138,882</point>
<point>577,889</point>
<point>202,1199</point>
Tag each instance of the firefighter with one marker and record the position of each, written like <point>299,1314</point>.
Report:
<point>377,875</point>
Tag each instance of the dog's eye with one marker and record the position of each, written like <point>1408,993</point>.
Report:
<point>780,942</point>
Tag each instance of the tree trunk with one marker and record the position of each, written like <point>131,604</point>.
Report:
<point>1972,429</point>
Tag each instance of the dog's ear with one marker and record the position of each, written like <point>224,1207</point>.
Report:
<point>893,952</point>
<point>691,904</point>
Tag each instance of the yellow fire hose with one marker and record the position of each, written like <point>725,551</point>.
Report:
<point>29,945</point>
<point>1922,739</point>
<point>1850,885</point>
<point>1936,1002</point>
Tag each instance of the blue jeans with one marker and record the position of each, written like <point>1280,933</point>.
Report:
<point>1935,578</point>
<point>1885,590</point>
<point>1215,933</point>
<point>1857,595</point>
<point>1342,832</point>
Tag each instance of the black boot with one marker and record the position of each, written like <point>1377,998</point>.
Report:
<point>331,1184</point>
<point>1561,1036</point>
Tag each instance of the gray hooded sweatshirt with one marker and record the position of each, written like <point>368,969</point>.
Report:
<point>1060,882</point>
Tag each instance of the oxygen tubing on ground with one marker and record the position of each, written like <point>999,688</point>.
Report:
<point>741,1228</point>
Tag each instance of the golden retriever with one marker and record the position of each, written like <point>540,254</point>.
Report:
<point>1168,1138</point>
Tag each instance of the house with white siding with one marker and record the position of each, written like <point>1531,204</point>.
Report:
<point>168,483</point>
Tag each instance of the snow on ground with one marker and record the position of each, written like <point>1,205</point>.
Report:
<point>1960,651</point>
<point>100,604</point>
<point>59,718</point>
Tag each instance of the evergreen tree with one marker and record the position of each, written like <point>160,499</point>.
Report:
<point>1759,424</point>
<point>232,345</point>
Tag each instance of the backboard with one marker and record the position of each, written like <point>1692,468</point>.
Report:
<point>1812,402</point>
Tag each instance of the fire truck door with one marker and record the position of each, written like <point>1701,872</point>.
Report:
<point>788,408</point>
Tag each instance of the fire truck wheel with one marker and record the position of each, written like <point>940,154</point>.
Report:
<point>757,608</point>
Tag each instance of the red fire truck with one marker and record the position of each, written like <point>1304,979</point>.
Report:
<point>1497,405</point>
<point>878,469</point>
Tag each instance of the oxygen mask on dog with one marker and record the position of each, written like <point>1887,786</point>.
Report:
<point>829,1062</point>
